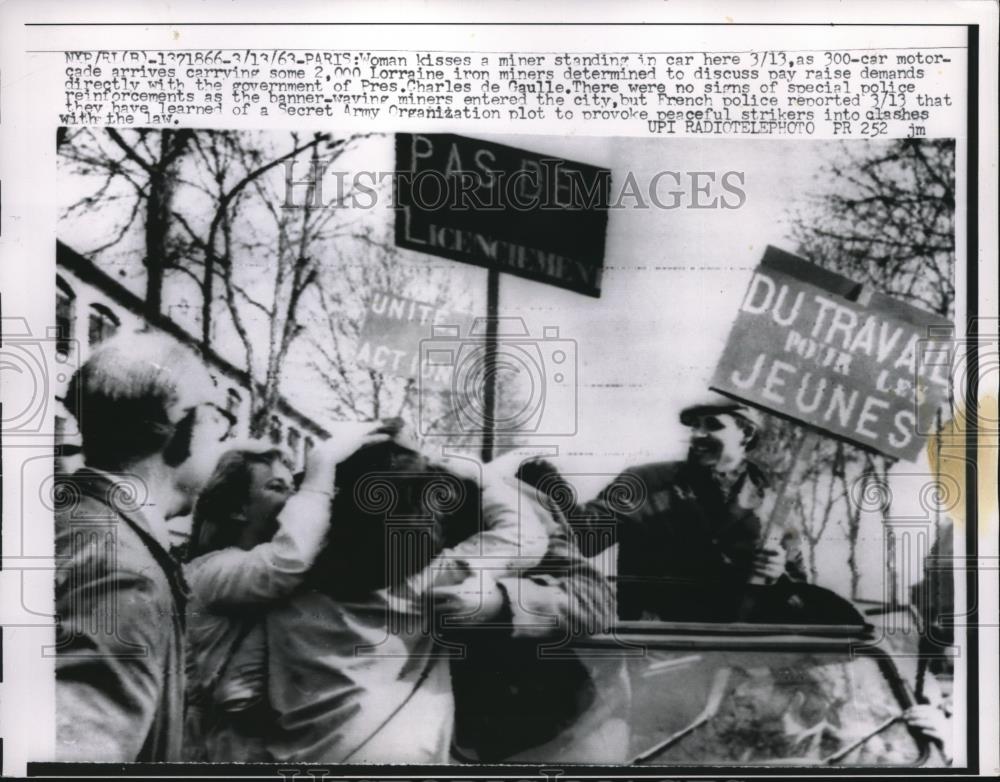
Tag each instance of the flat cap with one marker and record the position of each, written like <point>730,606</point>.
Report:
<point>717,404</point>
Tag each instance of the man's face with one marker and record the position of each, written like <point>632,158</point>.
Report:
<point>198,406</point>
<point>210,429</point>
<point>717,441</point>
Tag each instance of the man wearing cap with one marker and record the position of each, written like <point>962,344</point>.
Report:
<point>688,534</point>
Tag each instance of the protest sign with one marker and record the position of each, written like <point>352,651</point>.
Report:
<point>509,210</point>
<point>816,347</point>
<point>390,336</point>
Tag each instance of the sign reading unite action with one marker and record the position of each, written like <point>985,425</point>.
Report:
<point>866,371</point>
<point>502,208</point>
<point>390,337</point>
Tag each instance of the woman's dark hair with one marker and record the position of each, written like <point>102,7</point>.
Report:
<point>393,511</point>
<point>217,521</point>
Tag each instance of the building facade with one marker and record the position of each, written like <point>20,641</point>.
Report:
<point>92,306</point>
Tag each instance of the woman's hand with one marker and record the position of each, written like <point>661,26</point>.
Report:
<point>346,438</point>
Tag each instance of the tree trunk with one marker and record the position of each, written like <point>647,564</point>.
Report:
<point>155,240</point>
<point>853,530</point>
<point>207,285</point>
<point>813,565</point>
<point>159,204</point>
<point>891,566</point>
<point>258,421</point>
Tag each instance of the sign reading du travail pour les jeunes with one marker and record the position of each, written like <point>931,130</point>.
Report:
<point>869,369</point>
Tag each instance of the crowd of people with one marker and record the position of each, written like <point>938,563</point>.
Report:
<point>385,605</point>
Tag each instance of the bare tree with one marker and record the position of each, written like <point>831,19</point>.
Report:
<point>819,489</point>
<point>889,220</point>
<point>370,265</point>
<point>234,163</point>
<point>447,413</point>
<point>140,167</point>
<point>267,256</point>
<point>851,520</point>
<point>216,205</point>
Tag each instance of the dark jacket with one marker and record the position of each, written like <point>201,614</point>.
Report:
<point>120,604</point>
<point>685,545</point>
<point>521,684</point>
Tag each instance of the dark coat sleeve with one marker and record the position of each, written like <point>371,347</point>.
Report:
<point>732,562</point>
<point>565,596</point>
<point>611,516</point>
<point>597,523</point>
<point>110,668</point>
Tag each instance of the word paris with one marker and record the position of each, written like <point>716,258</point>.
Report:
<point>857,369</point>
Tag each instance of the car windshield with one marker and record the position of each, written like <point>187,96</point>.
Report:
<point>766,707</point>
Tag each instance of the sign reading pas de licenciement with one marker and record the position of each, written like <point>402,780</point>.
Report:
<point>866,370</point>
<point>502,208</point>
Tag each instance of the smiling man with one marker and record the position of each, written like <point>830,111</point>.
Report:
<point>688,533</point>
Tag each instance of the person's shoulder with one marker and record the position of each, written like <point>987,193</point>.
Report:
<point>78,497</point>
<point>86,523</point>
<point>93,540</point>
<point>84,504</point>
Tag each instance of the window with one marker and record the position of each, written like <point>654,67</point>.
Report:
<point>103,324</point>
<point>65,315</point>
<point>293,439</point>
<point>308,445</point>
<point>275,430</point>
